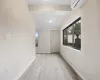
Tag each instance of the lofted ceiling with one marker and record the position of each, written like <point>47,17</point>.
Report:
<point>49,13</point>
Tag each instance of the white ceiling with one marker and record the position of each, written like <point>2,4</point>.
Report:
<point>48,1</point>
<point>43,16</point>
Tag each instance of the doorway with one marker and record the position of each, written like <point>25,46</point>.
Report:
<point>55,41</point>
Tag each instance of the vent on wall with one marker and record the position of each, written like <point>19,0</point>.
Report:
<point>77,3</point>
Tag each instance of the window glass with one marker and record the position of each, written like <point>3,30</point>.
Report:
<point>36,37</point>
<point>72,35</point>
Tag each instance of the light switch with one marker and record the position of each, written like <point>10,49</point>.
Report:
<point>8,36</point>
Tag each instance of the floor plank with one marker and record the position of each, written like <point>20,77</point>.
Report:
<point>49,67</point>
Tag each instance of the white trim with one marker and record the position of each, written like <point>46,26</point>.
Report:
<point>76,70</point>
<point>73,48</point>
<point>25,69</point>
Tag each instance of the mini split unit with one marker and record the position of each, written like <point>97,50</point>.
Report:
<point>77,3</point>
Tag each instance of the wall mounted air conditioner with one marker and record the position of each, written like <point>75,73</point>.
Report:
<point>77,3</point>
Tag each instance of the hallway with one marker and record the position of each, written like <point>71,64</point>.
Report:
<point>32,32</point>
<point>49,67</point>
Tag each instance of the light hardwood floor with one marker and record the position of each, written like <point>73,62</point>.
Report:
<point>49,67</point>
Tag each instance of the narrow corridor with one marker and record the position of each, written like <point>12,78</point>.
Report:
<point>49,67</point>
<point>48,27</point>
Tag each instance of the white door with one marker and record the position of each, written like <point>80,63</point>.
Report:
<point>55,41</point>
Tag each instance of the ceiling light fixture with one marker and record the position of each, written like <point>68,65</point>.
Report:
<point>50,21</point>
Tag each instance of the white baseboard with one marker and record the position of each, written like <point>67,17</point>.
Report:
<point>76,70</point>
<point>25,69</point>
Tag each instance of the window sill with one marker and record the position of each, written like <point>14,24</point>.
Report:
<point>72,48</point>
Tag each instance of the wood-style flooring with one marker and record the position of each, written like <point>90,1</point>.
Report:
<point>49,67</point>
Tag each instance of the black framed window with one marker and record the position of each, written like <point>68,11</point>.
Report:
<point>72,35</point>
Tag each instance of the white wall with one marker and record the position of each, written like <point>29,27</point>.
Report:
<point>44,45</point>
<point>85,61</point>
<point>17,52</point>
<point>44,41</point>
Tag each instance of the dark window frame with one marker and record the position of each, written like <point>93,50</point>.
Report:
<point>67,37</point>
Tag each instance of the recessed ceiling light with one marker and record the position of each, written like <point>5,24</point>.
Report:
<point>50,21</point>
